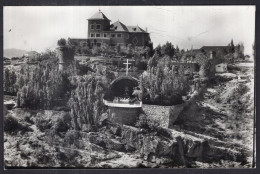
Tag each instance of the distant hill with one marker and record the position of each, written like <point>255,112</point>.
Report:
<point>13,52</point>
<point>32,53</point>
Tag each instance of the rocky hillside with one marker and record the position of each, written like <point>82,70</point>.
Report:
<point>225,113</point>
<point>214,131</point>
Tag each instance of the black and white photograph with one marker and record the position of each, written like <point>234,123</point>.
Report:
<point>113,87</point>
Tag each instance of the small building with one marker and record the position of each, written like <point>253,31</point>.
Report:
<point>220,68</point>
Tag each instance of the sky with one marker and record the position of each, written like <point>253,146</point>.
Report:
<point>38,28</point>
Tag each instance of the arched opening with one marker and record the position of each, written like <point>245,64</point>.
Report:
<point>122,87</point>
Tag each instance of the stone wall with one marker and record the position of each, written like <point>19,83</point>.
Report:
<point>167,115</point>
<point>122,115</point>
<point>158,113</point>
<point>176,110</point>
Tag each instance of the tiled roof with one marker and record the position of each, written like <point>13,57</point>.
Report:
<point>118,26</point>
<point>135,29</point>
<point>98,15</point>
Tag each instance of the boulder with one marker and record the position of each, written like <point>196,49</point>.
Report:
<point>131,136</point>
<point>116,130</point>
<point>98,139</point>
<point>196,149</point>
<point>116,145</point>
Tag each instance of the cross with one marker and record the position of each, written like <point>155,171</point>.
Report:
<point>127,66</point>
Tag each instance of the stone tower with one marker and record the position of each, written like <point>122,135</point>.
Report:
<point>66,57</point>
<point>97,24</point>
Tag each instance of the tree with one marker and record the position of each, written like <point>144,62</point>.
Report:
<point>130,50</point>
<point>6,79</point>
<point>96,51</point>
<point>62,42</point>
<point>232,47</point>
<point>158,50</point>
<point>10,81</point>
<point>168,49</point>
<point>159,78</point>
<point>148,49</point>
<point>41,86</point>
<point>118,49</point>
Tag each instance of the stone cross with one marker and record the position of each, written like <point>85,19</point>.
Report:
<point>127,66</point>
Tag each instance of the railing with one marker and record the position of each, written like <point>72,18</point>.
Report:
<point>122,104</point>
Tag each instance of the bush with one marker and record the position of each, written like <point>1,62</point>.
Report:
<point>42,123</point>
<point>71,138</point>
<point>41,86</point>
<point>9,82</point>
<point>86,100</point>
<point>62,42</point>
<point>63,123</point>
<point>11,124</point>
<point>161,85</point>
<point>145,123</point>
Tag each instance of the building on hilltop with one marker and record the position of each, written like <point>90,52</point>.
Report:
<point>211,51</point>
<point>100,32</point>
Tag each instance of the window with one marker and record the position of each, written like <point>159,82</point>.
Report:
<point>127,36</point>
<point>98,35</point>
<point>119,35</point>
<point>92,26</point>
<point>98,26</point>
<point>188,67</point>
<point>113,35</point>
<point>135,41</point>
<point>105,34</point>
<point>92,35</point>
<point>184,66</point>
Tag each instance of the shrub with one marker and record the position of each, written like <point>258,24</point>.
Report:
<point>86,100</point>
<point>146,123</point>
<point>42,123</point>
<point>62,42</point>
<point>41,86</point>
<point>71,138</point>
<point>63,123</point>
<point>161,85</point>
<point>71,154</point>
<point>9,81</point>
<point>11,124</point>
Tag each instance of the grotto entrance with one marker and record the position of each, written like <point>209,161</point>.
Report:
<point>124,90</point>
<point>123,87</point>
<point>123,105</point>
